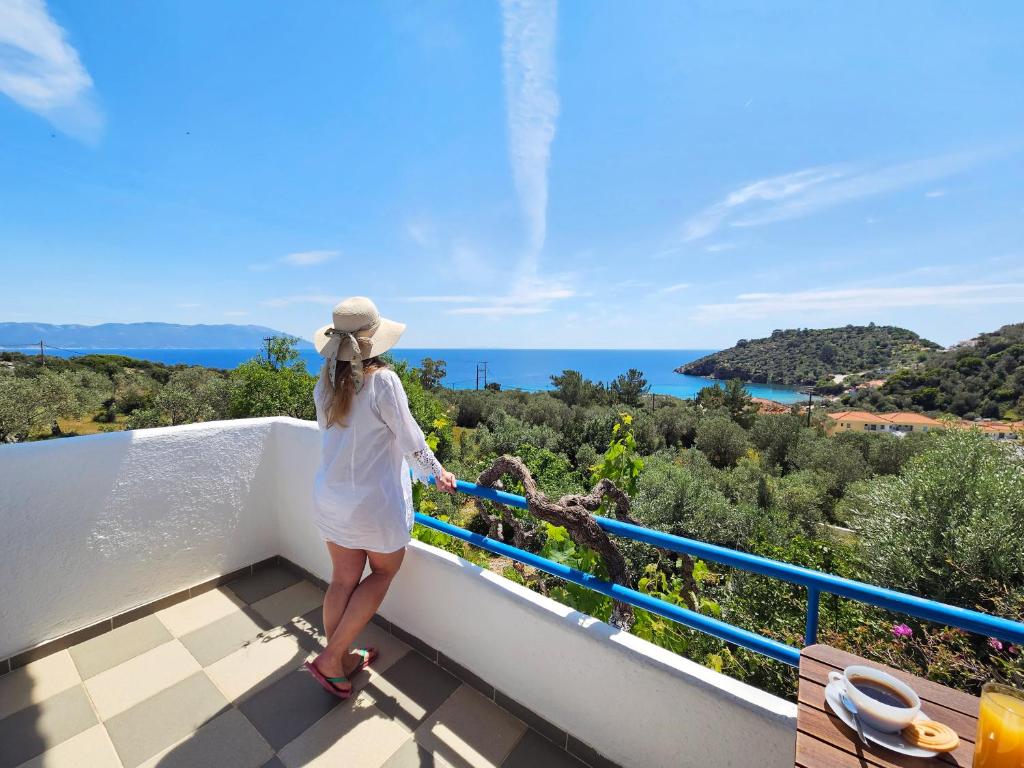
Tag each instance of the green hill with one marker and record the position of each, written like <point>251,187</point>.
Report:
<point>807,355</point>
<point>982,377</point>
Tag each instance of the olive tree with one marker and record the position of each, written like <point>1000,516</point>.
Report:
<point>722,440</point>
<point>951,525</point>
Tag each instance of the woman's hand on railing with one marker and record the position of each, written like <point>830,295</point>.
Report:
<point>445,482</point>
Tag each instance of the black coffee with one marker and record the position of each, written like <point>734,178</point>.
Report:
<point>880,692</point>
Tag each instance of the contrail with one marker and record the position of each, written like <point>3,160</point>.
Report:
<point>528,56</point>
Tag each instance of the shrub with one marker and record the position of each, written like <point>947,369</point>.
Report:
<point>775,435</point>
<point>950,526</point>
<point>677,425</point>
<point>682,499</point>
<point>722,440</point>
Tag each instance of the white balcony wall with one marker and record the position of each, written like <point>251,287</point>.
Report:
<point>94,526</point>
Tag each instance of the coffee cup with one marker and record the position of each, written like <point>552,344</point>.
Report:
<point>883,702</point>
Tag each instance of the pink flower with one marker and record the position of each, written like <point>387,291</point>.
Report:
<point>995,644</point>
<point>899,631</point>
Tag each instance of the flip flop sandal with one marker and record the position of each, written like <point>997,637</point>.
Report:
<point>328,683</point>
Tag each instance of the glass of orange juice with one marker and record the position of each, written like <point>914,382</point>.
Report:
<point>1000,741</point>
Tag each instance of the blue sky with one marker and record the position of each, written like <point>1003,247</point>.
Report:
<point>515,174</point>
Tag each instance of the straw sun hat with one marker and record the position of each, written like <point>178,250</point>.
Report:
<point>357,333</point>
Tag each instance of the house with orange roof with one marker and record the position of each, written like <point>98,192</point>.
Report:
<point>908,421</point>
<point>897,423</point>
<point>998,430</point>
<point>856,421</point>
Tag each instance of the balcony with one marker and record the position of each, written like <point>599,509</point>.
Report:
<point>161,590</point>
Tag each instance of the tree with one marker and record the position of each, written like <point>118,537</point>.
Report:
<point>741,406</point>
<point>282,351</point>
<point>191,395</point>
<point>132,390</point>
<point>278,386</point>
<point>733,397</point>
<point>841,458</point>
<point>950,525</point>
<point>683,500</point>
<point>630,387</point>
<point>775,435</point>
<point>711,397</point>
<point>432,372</point>
<point>16,420</point>
<point>722,440</point>
<point>29,403</point>
<point>572,389</point>
<point>677,425</point>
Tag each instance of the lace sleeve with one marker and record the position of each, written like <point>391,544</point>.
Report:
<point>423,464</point>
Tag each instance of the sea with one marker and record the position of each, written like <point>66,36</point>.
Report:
<point>525,369</point>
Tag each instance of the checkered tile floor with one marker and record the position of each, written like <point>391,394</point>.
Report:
<point>217,681</point>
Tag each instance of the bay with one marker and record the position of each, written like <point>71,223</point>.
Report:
<point>526,369</point>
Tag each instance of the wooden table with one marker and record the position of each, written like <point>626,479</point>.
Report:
<point>824,741</point>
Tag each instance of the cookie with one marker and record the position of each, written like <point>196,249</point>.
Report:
<point>929,734</point>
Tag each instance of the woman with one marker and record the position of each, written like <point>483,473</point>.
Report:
<point>362,494</point>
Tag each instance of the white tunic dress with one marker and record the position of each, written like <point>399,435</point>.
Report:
<point>362,494</point>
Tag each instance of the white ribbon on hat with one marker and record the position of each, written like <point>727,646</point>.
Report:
<point>356,360</point>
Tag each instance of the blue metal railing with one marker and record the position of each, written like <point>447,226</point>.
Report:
<point>815,582</point>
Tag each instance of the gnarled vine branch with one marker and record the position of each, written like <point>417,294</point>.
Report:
<point>572,512</point>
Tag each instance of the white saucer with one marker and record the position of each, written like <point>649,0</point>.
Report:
<point>893,741</point>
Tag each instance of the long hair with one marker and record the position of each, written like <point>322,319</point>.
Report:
<point>340,402</point>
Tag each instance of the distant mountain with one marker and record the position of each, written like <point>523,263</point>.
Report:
<point>139,336</point>
<point>807,355</point>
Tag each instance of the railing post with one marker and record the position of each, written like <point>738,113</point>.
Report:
<point>811,630</point>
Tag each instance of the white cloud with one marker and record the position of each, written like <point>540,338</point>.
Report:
<point>308,258</point>
<point>452,299</point>
<point>298,259</point>
<point>235,313</point>
<point>287,301</point>
<point>765,190</point>
<point>43,73</point>
<point>760,305</point>
<point>719,247</point>
<point>531,102</point>
<point>526,298</point>
<point>805,192</point>
<point>675,288</point>
<point>935,193</point>
<point>499,310</point>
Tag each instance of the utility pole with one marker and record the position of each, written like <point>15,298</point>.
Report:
<point>810,392</point>
<point>267,340</point>
<point>42,354</point>
<point>485,374</point>
<point>481,368</point>
<point>478,375</point>
<point>652,400</point>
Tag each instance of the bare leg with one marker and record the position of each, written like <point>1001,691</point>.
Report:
<point>335,659</point>
<point>348,570</point>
